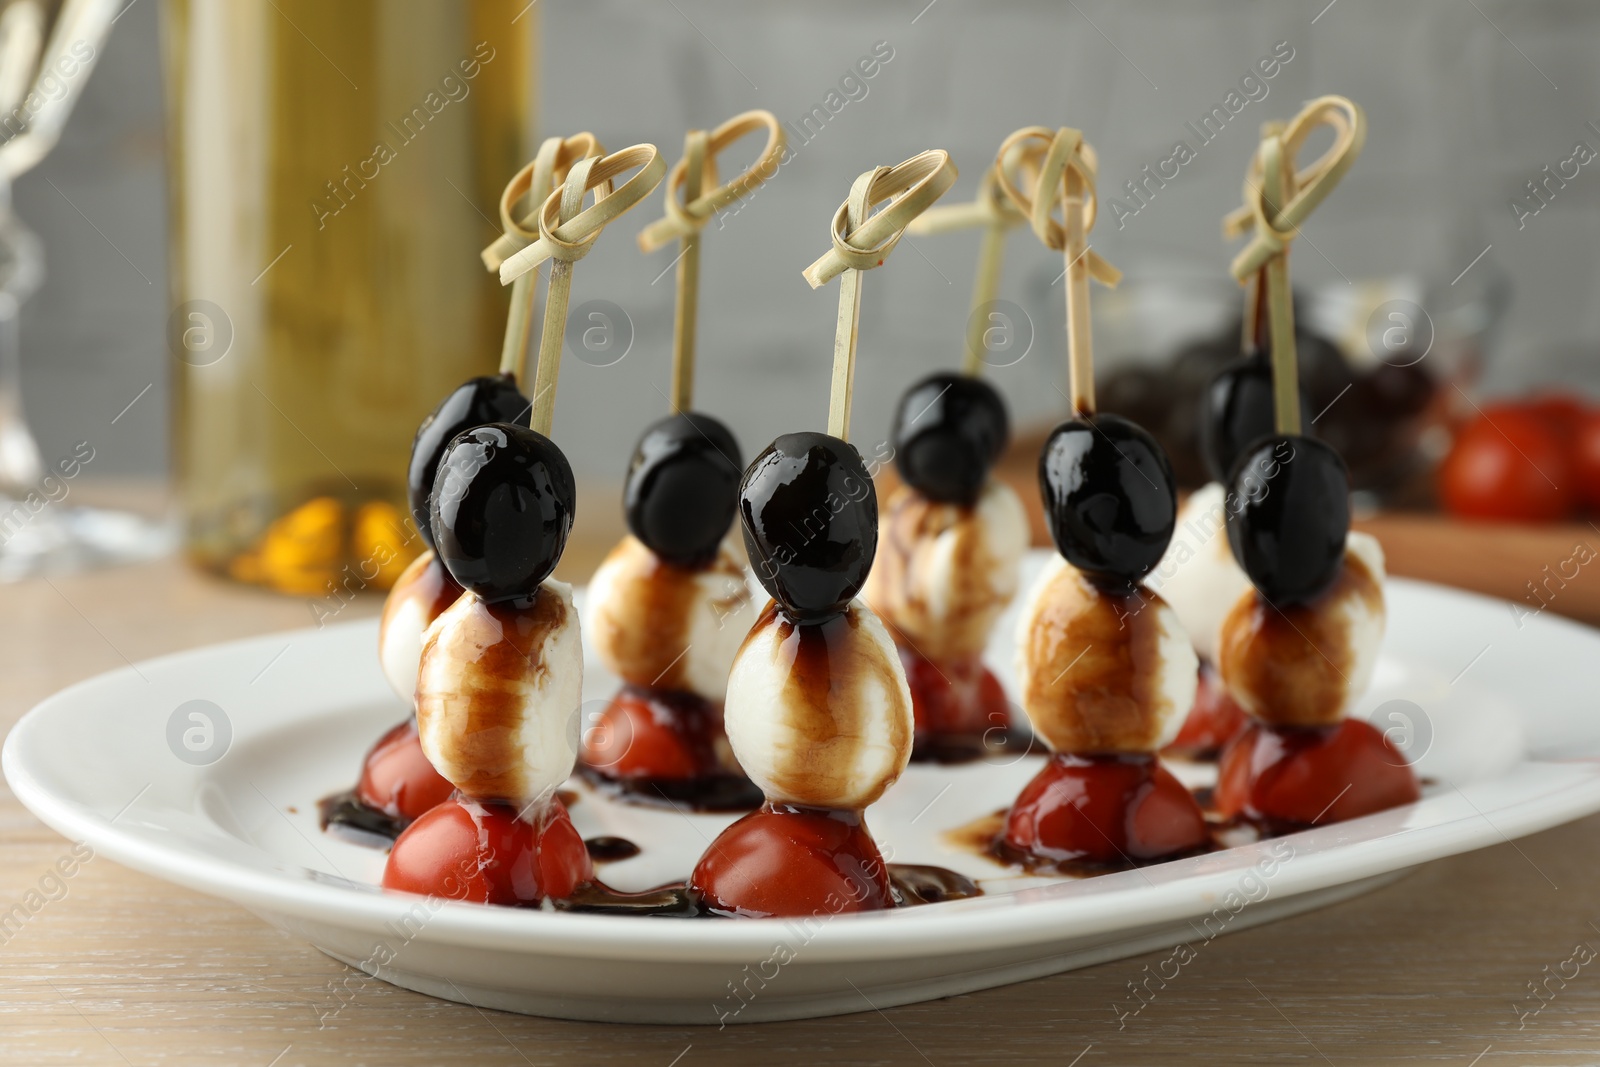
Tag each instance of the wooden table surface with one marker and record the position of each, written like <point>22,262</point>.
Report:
<point>126,969</point>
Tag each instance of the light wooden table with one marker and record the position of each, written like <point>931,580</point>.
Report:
<point>125,969</point>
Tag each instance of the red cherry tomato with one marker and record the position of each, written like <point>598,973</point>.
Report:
<point>648,734</point>
<point>954,698</point>
<point>1304,776</point>
<point>1586,461</point>
<point>1212,722</point>
<point>1562,412</point>
<point>397,779</point>
<point>791,863</point>
<point>1507,464</point>
<point>484,853</point>
<point>1103,811</point>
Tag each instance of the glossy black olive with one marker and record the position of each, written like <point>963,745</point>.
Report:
<point>1236,411</point>
<point>1288,514</point>
<point>683,488</point>
<point>1109,497</point>
<point>810,516</point>
<point>473,403</point>
<point>948,431</point>
<point>502,507</point>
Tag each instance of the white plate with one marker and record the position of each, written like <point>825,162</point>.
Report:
<point>1506,723</point>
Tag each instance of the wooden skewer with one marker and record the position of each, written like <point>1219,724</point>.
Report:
<point>532,183</point>
<point>1280,300</point>
<point>1080,340</point>
<point>863,241</point>
<point>695,177</point>
<point>699,173</point>
<point>993,211</point>
<point>566,233</point>
<point>1278,198</point>
<point>1067,174</point>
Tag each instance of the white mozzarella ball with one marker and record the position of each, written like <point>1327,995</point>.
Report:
<point>1198,576</point>
<point>1101,672</point>
<point>498,696</point>
<point>422,591</point>
<point>1308,664</point>
<point>820,714</point>
<point>944,573</point>
<point>656,624</point>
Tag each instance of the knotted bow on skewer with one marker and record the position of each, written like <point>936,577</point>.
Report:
<point>694,179</point>
<point>567,230</point>
<point>862,241</point>
<point>995,212</point>
<point>1067,176</point>
<point>532,184</point>
<point>1277,199</point>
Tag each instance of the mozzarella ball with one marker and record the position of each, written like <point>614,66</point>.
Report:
<point>1101,672</point>
<point>1309,664</point>
<point>944,572</point>
<point>656,624</point>
<point>498,696</point>
<point>1198,576</point>
<point>423,590</point>
<point>819,714</point>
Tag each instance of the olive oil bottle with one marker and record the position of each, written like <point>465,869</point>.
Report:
<point>334,170</point>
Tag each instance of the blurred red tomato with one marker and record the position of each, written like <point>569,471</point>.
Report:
<point>1510,464</point>
<point>1586,460</point>
<point>1562,412</point>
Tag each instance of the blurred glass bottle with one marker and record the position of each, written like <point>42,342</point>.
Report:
<point>333,171</point>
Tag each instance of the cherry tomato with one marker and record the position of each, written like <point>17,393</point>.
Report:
<point>1508,464</point>
<point>1586,461</point>
<point>397,779</point>
<point>788,863</point>
<point>1212,722</point>
<point>484,853</point>
<point>1303,776</point>
<point>954,698</point>
<point>1104,811</point>
<point>649,734</point>
<point>1562,412</point>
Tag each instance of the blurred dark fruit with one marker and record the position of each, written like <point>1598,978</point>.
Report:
<point>682,489</point>
<point>948,431</point>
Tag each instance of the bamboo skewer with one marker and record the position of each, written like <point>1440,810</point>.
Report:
<point>863,241</point>
<point>567,231</point>
<point>695,177</point>
<point>1067,174</point>
<point>698,172</point>
<point>532,183</point>
<point>992,210</point>
<point>1278,198</point>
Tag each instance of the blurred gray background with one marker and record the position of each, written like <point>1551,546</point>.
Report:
<point>1467,101</point>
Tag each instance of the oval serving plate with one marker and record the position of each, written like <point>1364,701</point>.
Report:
<point>1498,724</point>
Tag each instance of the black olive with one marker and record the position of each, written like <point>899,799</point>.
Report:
<point>1288,514</point>
<point>1109,497</point>
<point>810,517</point>
<point>502,507</point>
<point>473,403</point>
<point>948,431</point>
<point>1236,411</point>
<point>683,488</point>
